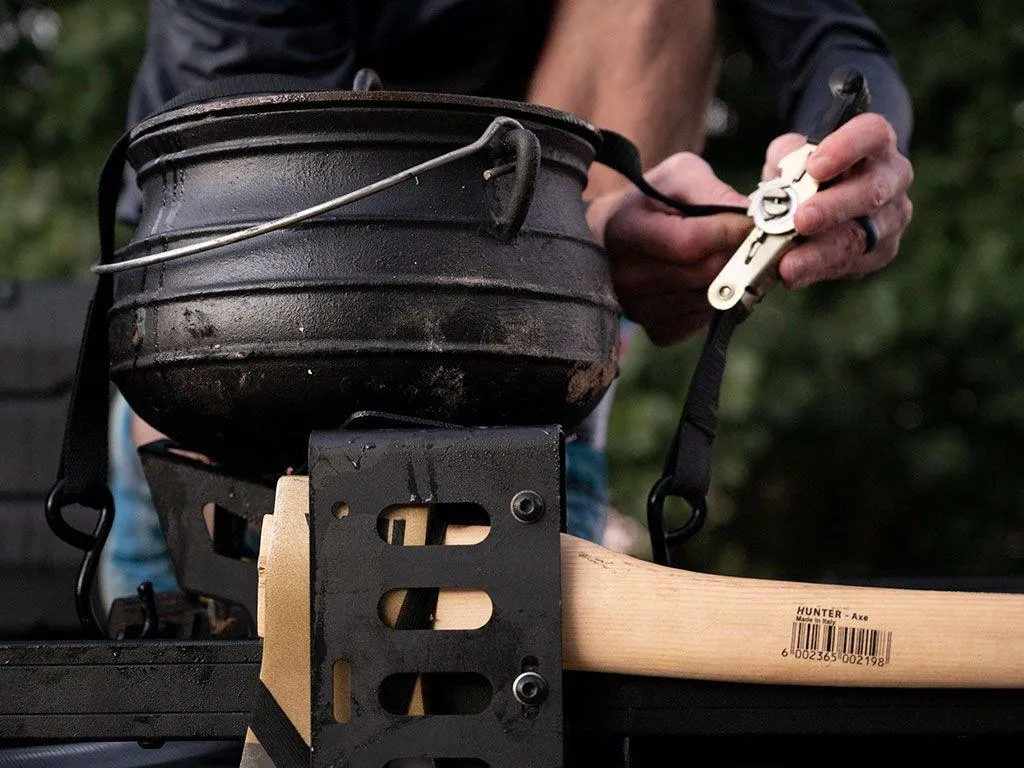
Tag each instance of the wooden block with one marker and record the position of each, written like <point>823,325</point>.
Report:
<point>283,601</point>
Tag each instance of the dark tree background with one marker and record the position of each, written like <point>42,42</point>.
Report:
<point>873,427</point>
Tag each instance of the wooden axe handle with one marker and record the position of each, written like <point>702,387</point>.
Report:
<point>621,614</point>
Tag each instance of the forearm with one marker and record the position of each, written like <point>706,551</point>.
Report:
<point>645,68</point>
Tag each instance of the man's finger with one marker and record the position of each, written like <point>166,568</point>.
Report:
<point>669,322</point>
<point>865,135</point>
<point>778,149</point>
<point>688,177</point>
<point>658,278</point>
<point>839,252</point>
<point>678,240</point>
<point>872,187</point>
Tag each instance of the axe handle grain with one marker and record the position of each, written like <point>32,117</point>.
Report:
<point>625,615</point>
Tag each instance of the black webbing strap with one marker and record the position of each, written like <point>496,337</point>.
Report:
<point>84,457</point>
<point>687,470</point>
<point>276,733</point>
<point>420,603</point>
<point>620,154</point>
<point>82,470</point>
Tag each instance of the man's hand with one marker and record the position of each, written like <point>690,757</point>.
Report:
<point>662,263</point>
<point>871,178</point>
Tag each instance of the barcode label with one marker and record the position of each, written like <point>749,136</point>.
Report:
<point>832,642</point>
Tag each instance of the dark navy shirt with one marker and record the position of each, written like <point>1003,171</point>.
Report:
<point>483,47</point>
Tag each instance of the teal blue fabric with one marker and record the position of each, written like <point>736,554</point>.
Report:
<point>136,550</point>
<point>586,491</point>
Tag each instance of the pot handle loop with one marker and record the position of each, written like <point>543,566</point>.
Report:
<point>501,128</point>
<point>526,165</point>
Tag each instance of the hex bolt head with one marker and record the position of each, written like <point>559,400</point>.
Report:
<point>530,689</point>
<point>527,506</point>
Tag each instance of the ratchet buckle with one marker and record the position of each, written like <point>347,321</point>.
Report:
<point>753,269</point>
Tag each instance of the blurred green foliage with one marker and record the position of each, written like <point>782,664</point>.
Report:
<point>65,71</point>
<point>867,428</point>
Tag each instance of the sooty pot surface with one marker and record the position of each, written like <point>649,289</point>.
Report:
<point>417,300</point>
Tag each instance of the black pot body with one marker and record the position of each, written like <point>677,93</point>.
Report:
<point>406,301</point>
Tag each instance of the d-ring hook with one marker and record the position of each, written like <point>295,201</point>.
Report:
<point>91,544</point>
<point>660,538</point>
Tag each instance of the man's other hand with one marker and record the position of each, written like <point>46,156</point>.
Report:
<point>661,262</point>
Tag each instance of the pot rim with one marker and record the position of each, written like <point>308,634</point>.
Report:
<point>226,106</point>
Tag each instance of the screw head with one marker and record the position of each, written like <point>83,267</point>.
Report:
<point>527,506</point>
<point>530,689</point>
<point>725,292</point>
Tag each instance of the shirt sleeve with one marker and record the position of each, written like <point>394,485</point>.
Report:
<point>800,42</point>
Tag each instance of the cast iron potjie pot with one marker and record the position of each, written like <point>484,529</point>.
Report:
<point>473,293</point>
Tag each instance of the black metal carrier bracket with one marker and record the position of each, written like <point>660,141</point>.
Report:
<point>492,695</point>
<point>182,486</point>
